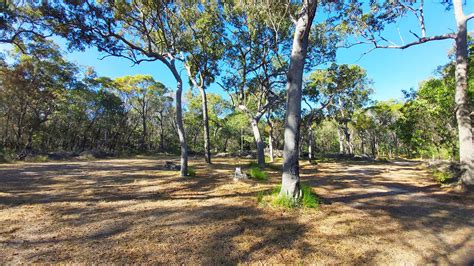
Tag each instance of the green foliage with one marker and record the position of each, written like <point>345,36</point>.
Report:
<point>443,177</point>
<point>258,174</point>
<point>191,171</point>
<point>260,196</point>
<point>285,202</point>
<point>3,155</point>
<point>308,200</point>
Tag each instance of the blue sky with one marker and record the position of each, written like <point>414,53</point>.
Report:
<point>391,70</point>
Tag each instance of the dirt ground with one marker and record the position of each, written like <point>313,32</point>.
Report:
<point>130,211</point>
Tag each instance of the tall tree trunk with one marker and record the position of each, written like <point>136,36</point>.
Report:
<point>340,136</point>
<point>225,144</point>
<point>373,146</point>
<point>258,142</point>
<point>270,140</point>
<point>205,118</point>
<point>310,143</point>
<point>466,148</point>
<point>349,145</point>
<point>180,126</point>
<point>162,133</point>
<point>290,186</point>
<point>144,133</point>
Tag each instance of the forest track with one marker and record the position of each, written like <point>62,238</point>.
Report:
<point>127,210</point>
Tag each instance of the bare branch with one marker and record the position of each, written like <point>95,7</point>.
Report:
<point>470,16</point>
<point>419,41</point>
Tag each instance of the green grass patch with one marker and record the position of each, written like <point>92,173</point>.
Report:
<point>191,171</point>
<point>258,174</point>
<point>273,198</point>
<point>443,177</point>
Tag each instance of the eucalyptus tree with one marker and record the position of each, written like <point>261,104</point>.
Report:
<point>21,23</point>
<point>257,42</point>
<point>138,30</point>
<point>302,25</point>
<point>346,89</point>
<point>204,25</point>
<point>31,89</point>
<point>144,94</point>
<point>369,25</point>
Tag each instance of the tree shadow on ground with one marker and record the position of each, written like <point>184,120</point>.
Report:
<point>126,212</point>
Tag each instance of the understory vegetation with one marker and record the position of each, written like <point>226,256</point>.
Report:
<point>273,198</point>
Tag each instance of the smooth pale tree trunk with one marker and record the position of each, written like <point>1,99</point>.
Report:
<point>145,131</point>
<point>340,136</point>
<point>162,133</point>
<point>205,118</point>
<point>462,102</point>
<point>290,186</point>
<point>258,142</point>
<point>270,139</point>
<point>180,126</point>
<point>310,143</point>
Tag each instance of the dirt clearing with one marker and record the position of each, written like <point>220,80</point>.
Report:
<point>129,211</point>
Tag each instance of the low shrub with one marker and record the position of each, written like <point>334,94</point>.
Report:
<point>443,177</point>
<point>191,171</point>
<point>258,174</point>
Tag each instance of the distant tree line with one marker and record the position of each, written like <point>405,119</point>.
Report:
<point>257,53</point>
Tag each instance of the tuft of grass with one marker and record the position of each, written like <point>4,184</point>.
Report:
<point>308,200</point>
<point>191,171</point>
<point>443,177</point>
<point>260,196</point>
<point>285,202</point>
<point>258,174</point>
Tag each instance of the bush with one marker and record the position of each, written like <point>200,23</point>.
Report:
<point>258,174</point>
<point>309,199</point>
<point>191,171</point>
<point>3,156</point>
<point>443,177</point>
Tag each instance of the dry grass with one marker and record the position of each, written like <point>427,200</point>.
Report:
<point>125,211</point>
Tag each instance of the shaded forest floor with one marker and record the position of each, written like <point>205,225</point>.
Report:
<point>127,210</point>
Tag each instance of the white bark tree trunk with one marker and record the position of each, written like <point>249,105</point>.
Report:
<point>270,140</point>
<point>290,186</point>
<point>340,136</point>
<point>180,127</point>
<point>462,102</point>
<point>259,143</point>
<point>205,118</point>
